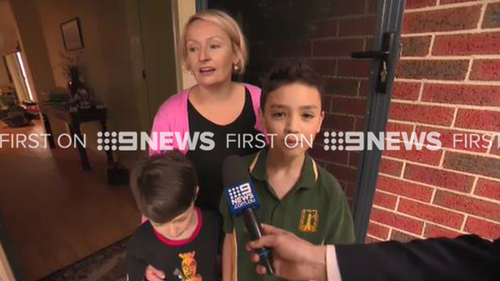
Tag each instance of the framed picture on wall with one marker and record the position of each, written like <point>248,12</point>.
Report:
<point>72,35</point>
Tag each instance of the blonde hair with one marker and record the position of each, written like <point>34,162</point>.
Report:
<point>230,26</point>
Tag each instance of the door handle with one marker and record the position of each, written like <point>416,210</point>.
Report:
<point>382,55</point>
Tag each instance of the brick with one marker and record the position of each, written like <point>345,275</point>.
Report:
<point>354,158</point>
<point>412,4</point>
<point>415,46</point>
<point>444,2</point>
<point>353,68</point>
<point>483,95</point>
<point>471,142</point>
<point>396,220</point>
<point>345,8</point>
<point>338,122</point>
<point>402,237</point>
<point>427,114</point>
<point>364,88</point>
<point>492,16</point>
<point>460,18</point>
<point>439,177</point>
<point>336,47</point>
<point>323,66</point>
<point>433,231</point>
<point>398,127</point>
<point>478,119</point>
<point>495,149</point>
<point>488,188</point>
<point>341,172</point>
<point>378,231</point>
<point>483,228</point>
<point>385,200</point>
<point>296,48</point>
<point>327,28</point>
<point>370,239</point>
<point>372,6</point>
<point>467,44</point>
<point>391,167</point>
<point>421,156</point>
<point>468,205</point>
<point>431,213</point>
<point>403,188</point>
<point>433,69</point>
<point>485,70</point>
<point>326,103</point>
<point>319,153</point>
<point>355,106</point>
<point>359,124</point>
<point>406,90</point>
<point>350,189</point>
<point>341,87</point>
<point>357,26</point>
<point>474,164</point>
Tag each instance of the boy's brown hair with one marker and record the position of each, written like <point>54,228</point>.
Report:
<point>288,73</point>
<point>164,186</point>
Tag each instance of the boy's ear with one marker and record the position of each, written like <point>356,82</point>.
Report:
<point>196,191</point>
<point>321,118</point>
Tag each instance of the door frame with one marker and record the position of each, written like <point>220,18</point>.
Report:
<point>390,18</point>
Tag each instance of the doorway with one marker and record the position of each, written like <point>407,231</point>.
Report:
<point>357,86</point>
<point>17,73</point>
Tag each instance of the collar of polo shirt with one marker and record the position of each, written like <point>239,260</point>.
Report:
<point>309,173</point>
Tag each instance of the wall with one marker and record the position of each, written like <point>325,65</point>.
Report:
<point>159,52</point>
<point>448,81</point>
<point>110,31</point>
<point>8,32</point>
<point>33,46</point>
<point>183,10</point>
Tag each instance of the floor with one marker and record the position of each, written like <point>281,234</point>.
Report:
<point>54,212</point>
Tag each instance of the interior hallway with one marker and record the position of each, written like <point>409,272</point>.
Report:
<point>54,212</point>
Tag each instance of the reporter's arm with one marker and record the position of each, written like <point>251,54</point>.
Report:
<point>464,258</point>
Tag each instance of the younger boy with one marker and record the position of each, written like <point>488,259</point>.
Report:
<point>294,192</point>
<point>178,239</point>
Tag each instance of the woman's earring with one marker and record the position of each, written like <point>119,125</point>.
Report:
<point>235,67</point>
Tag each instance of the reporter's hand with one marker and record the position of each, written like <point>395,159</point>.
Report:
<point>293,258</point>
<point>153,274</point>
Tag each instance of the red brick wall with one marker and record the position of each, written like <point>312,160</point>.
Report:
<point>447,81</point>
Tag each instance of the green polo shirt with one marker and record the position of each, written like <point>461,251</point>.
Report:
<point>315,209</point>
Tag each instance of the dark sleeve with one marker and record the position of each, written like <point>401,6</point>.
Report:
<point>135,265</point>
<point>463,258</point>
<point>136,268</point>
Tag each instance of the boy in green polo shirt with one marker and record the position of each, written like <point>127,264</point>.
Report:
<point>294,192</point>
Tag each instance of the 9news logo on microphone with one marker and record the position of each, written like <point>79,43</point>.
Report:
<point>242,197</point>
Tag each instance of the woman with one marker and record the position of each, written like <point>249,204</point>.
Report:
<point>213,48</point>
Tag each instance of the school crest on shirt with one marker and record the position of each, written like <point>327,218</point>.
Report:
<point>189,268</point>
<point>309,220</point>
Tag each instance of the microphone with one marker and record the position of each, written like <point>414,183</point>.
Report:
<point>242,200</point>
